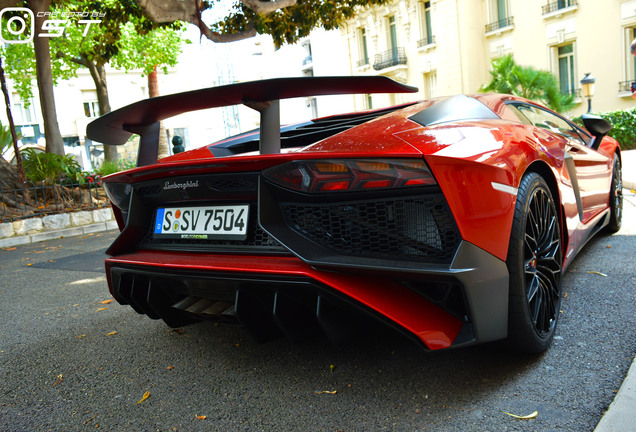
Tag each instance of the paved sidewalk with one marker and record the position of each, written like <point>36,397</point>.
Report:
<point>621,414</point>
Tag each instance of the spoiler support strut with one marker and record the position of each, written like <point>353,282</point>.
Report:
<point>143,117</point>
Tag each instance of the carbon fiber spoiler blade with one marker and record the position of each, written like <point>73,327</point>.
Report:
<point>143,117</point>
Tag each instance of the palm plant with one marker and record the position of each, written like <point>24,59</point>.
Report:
<point>527,82</point>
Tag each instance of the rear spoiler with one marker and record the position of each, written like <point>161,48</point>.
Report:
<point>143,117</point>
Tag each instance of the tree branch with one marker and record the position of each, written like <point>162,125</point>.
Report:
<point>267,7</point>
<point>162,11</point>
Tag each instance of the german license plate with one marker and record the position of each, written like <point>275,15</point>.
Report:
<point>227,222</point>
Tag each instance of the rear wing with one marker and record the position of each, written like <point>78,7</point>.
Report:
<point>143,117</point>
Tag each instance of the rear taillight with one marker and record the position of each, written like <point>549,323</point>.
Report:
<point>348,175</point>
<point>119,194</point>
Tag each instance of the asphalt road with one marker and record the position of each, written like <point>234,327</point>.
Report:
<point>63,367</point>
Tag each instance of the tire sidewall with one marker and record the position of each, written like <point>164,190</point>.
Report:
<point>522,334</point>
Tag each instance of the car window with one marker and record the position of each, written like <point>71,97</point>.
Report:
<point>547,120</point>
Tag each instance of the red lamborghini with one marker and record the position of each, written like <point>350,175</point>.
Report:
<point>451,220</point>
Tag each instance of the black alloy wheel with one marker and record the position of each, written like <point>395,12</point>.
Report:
<point>535,263</point>
<point>616,198</point>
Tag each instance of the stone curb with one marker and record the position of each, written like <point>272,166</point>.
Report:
<point>621,415</point>
<point>50,227</point>
<point>51,235</point>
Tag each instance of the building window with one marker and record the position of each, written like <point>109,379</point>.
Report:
<point>393,34</point>
<point>499,15</point>
<point>395,55</point>
<point>565,55</point>
<point>308,56</point>
<point>91,107</point>
<point>630,62</point>
<point>430,85</point>
<point>426,29</point>
<point>23,111</point>
<point>363,50</point>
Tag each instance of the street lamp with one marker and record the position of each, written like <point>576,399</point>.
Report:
<point>588,89</point>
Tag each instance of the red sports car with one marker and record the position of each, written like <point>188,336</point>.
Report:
<point>451,220</point>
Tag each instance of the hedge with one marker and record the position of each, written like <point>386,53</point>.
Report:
<point>624,126</point>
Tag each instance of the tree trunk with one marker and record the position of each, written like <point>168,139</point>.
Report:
<point>14,138</point>
<point>153,91</point>
<point>98,73</point>
<point>54,143</point>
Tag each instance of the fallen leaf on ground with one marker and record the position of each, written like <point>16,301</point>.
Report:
<point>143,398</point>
<point>59,380</point>
<point>111,333</point>
<point>525,417</point>
<point>90,419</point>
<point>101,309</point>
<point>107,301</point>
<point>9,249</point>
<point>201,417</point>
<point>598,273</point>
<point>170,367</point>
<point>327,392</point>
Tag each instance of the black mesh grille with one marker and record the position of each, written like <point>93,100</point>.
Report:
<point>419,228</point>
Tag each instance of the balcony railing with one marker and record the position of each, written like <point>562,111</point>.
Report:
<point>426,41</point>
<point>558,5</point>
<point>576,92</point>
<point>508,21</point>
<point>363,62</point>
<point>387,59</point>
<point>626,86</point>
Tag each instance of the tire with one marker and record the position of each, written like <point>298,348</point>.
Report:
<point>616,199</point>
<point>535,265</point>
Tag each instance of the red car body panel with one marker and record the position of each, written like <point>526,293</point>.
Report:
<point>433,326</point>
<point>477,165</point>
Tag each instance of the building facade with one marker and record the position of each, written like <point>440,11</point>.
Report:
<point>446,47</point>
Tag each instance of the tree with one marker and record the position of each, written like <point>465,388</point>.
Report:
<point>527,82</point>
<point>96,48</point>
<point>41,64</point>
<point>159,48</point>
<point>91,47</point>
<point>285,20</point>
<point>9,136</point>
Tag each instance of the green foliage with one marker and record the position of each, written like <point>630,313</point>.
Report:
<point>19,62</point>
<point>158,47</point>
<point>49,168</point>
<point>109,167</point>
<point>527,82</point>
<point>624,126</point>
<point>292,23</point>
<point>6,140</point>
<point>118,31</point>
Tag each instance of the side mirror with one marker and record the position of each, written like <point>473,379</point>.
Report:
<point>597,126</point>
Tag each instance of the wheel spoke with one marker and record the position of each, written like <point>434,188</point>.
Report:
<point>542,261</point>
<point>533,289</point>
